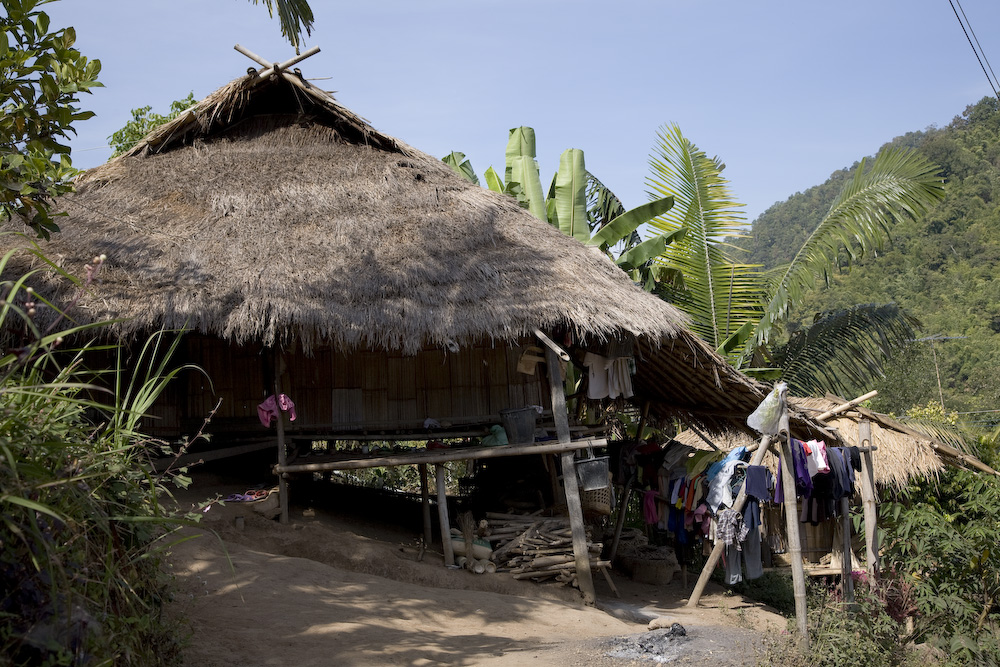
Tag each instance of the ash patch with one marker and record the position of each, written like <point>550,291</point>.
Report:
<point>659,646</point>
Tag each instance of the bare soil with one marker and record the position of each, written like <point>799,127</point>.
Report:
<point>338,587</point>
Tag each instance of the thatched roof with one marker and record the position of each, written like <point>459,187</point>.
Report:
<point>272,215</point>
<point>269,213</point>
<point>903,453</point>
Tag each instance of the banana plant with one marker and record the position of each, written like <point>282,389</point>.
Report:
<point>579,205</point>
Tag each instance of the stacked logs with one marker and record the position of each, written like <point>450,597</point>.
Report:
<point>538,548</point>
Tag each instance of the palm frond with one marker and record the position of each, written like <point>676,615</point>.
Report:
<point>294,17</point>
<point>719,294</point>
<point>899,184</point>
<point>843,350</point>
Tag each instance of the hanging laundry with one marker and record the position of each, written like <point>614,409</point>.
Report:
<point>817,460</point>
<point>608,377</point>
<point>752,561</point>
<point>597,375</point>
<point>272,407</point>
<point>720,493</point>
<point>759,482</point>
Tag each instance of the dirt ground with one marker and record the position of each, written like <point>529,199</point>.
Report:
<point>335,587</point>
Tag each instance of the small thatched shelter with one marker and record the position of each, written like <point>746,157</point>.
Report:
<point>903,453</point>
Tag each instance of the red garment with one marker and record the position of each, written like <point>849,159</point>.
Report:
<point>269,409</point>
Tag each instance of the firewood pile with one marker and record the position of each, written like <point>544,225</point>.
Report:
<point>538,548</point>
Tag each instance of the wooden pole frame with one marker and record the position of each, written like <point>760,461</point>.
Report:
<point>794,536</point>
<point>585,578</point>
<point>442,495</point>
<point>869,499</point>
<point>741,499</point>
<point>425,504</point>
<point>282,454</point>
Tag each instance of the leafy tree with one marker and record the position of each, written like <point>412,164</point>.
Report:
<point>941,541</point>
<point>143,122</point>
<point>941,269</point>
<point>41,78</point>
<point>739,308</point>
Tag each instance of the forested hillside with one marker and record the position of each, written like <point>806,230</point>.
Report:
<point>943,269</point>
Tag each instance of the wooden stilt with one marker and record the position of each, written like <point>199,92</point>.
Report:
<point>846,582</point>
<point>442,494</point>
<point>282,454</point>
<point>869,499</point>
<point>713,558</point>
<point>794,538</point>
<point>585,577</point>
<point>620,522</point>
<point>425,503</point>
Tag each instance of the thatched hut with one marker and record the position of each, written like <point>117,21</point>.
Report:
<point>270,216</point>
<point>304,250</point>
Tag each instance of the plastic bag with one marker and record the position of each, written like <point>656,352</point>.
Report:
<point>766,419</point>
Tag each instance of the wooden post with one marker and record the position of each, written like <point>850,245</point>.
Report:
<point>713,558</point>
<point>846,582</point>
<point>425,503</point>
<point>449,552</point>
<point>620,522</point>
<point>282,455</point>
<point>584,576</point>
<point>869,499</point>
<point>794,539</point>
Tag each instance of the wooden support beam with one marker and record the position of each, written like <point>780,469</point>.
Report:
<point>642,421</point>
<point>844,407</point>
<point>550,344</point>
<point>869,499</point>
<point>252,56</point>
<point>442,494</point>
<point>620,521</point>
<point>425,504</point>
<point>846,582</point>
<point>444,455</point>
<point>585,578</point>
<point>281,67</point>
<point>794,538</point>
<point>704,437</point>
<point>713,558</point>
<point>282,454</point>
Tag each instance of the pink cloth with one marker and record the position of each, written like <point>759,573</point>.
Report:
<point>649,510</point>
<point>269,409</point>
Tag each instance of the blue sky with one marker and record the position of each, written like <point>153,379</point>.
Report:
<point>784,92</point>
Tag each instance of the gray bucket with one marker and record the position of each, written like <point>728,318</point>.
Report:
<point>592,473</point>
<point>519,423</point>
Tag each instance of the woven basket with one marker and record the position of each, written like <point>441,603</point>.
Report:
<point>597,501</point>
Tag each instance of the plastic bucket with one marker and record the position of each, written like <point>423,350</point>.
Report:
<point>519,423</point>
<point>592,473</point>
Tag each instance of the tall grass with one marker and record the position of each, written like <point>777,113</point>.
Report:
<point>82,526</point>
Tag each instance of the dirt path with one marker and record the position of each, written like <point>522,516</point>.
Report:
<point>328,591</point>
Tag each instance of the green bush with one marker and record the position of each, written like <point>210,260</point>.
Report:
<point>82,527</point>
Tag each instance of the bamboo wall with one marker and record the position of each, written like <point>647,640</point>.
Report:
<point>334,391</point>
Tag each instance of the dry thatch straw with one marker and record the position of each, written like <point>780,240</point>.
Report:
<point>269,217</point>
<point>903,453</point>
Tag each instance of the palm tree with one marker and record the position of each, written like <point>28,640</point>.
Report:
<point>739,308</point>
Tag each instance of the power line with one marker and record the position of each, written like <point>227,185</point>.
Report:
<point>976,49</point>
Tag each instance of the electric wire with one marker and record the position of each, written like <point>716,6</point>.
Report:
<point>978,45</point>
<point>976,51</point>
